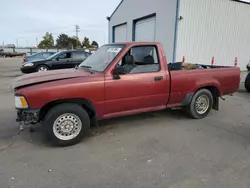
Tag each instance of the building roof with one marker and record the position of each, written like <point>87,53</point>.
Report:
<point>239,1</point>
<point>116,8</point>
<point>242,1</point>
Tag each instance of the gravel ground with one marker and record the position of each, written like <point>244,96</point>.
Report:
<point>160,149</point>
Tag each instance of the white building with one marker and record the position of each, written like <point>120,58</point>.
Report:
<point>196,29</point>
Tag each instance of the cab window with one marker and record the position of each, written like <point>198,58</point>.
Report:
<point>141,59</point>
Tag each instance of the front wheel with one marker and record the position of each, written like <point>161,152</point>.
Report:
<point>66,124</point>
<point>42,68</point>
<point>201,104</point>
<point>247,83</point>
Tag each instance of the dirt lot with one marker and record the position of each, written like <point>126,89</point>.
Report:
<point>161,149</point>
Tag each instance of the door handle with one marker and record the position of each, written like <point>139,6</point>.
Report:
<point>158,78</point>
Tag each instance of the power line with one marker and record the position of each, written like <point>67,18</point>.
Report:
<point>46,29</point>
<point>35,37</point>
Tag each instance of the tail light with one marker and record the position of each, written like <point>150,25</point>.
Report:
<point>24,59</point>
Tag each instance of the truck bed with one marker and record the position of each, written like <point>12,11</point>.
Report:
<point>191,66</point>
<point>222,79</point>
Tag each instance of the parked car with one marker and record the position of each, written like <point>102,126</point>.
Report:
<point>117,80</point>
<point>247,80</point>
<point>11,54</point>
<point>39,55</point>
<point>59,60</point>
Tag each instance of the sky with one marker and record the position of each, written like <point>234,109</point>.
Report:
<point>26,21</point>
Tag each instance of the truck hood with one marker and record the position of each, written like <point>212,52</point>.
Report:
<point>42,77</point>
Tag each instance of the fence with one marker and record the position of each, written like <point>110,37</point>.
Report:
<point>31,51</point>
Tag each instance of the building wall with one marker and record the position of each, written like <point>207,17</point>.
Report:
<point>219,28</point>
<point>165,11</point>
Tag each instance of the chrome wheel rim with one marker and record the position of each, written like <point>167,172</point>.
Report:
<point>202,104</point>
<point>67,126</point>
<point>41,69</point>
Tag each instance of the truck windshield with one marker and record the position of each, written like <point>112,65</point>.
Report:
<point>102,58</point>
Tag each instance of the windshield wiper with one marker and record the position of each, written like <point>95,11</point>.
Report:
<point>86,66</point>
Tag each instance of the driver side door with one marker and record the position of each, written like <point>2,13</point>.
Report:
<point>62,61</point>
<point>145,89</point>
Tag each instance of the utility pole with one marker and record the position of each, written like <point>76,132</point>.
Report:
<point>17,43</point>
<point>36,42</point>
<point>77,31</point>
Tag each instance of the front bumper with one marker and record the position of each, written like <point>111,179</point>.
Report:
<point>27,116</point>
<point>28,69</point>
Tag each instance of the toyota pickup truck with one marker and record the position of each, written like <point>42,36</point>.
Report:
<point>117,80</point>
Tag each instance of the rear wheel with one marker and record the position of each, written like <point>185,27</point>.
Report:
<point>201,104</point>
<point>247,83</point>
<point>42,68</point>
<point>66,124</point>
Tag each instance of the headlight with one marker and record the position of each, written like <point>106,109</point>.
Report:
<point>28,64</point>
<point>20,102</point>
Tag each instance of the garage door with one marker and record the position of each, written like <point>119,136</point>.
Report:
<point>120,33</point>
<point>145,30</point>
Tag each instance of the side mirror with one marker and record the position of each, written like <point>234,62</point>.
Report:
<point>57,58</point>
<point>119,70</point>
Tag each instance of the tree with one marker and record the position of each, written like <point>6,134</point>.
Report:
<point>63,41</point>
<point>86,42</point>
<point>73,42</point>
<point>47,42</point>
<point>94,44</point>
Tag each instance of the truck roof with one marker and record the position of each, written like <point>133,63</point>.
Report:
<point>139,43</point>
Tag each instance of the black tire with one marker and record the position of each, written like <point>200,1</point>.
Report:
<point>248,67</point>
<point>193,111</point>
<point>42,66</point>
<point>247,83</point>
<point>52,116</point>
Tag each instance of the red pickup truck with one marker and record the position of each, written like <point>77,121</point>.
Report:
<point>119,79</point>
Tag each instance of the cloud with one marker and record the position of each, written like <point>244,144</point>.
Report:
<point>29,19</point>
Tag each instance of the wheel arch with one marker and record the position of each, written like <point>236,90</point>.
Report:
<point>84,103</point>
<point>213,90</point>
